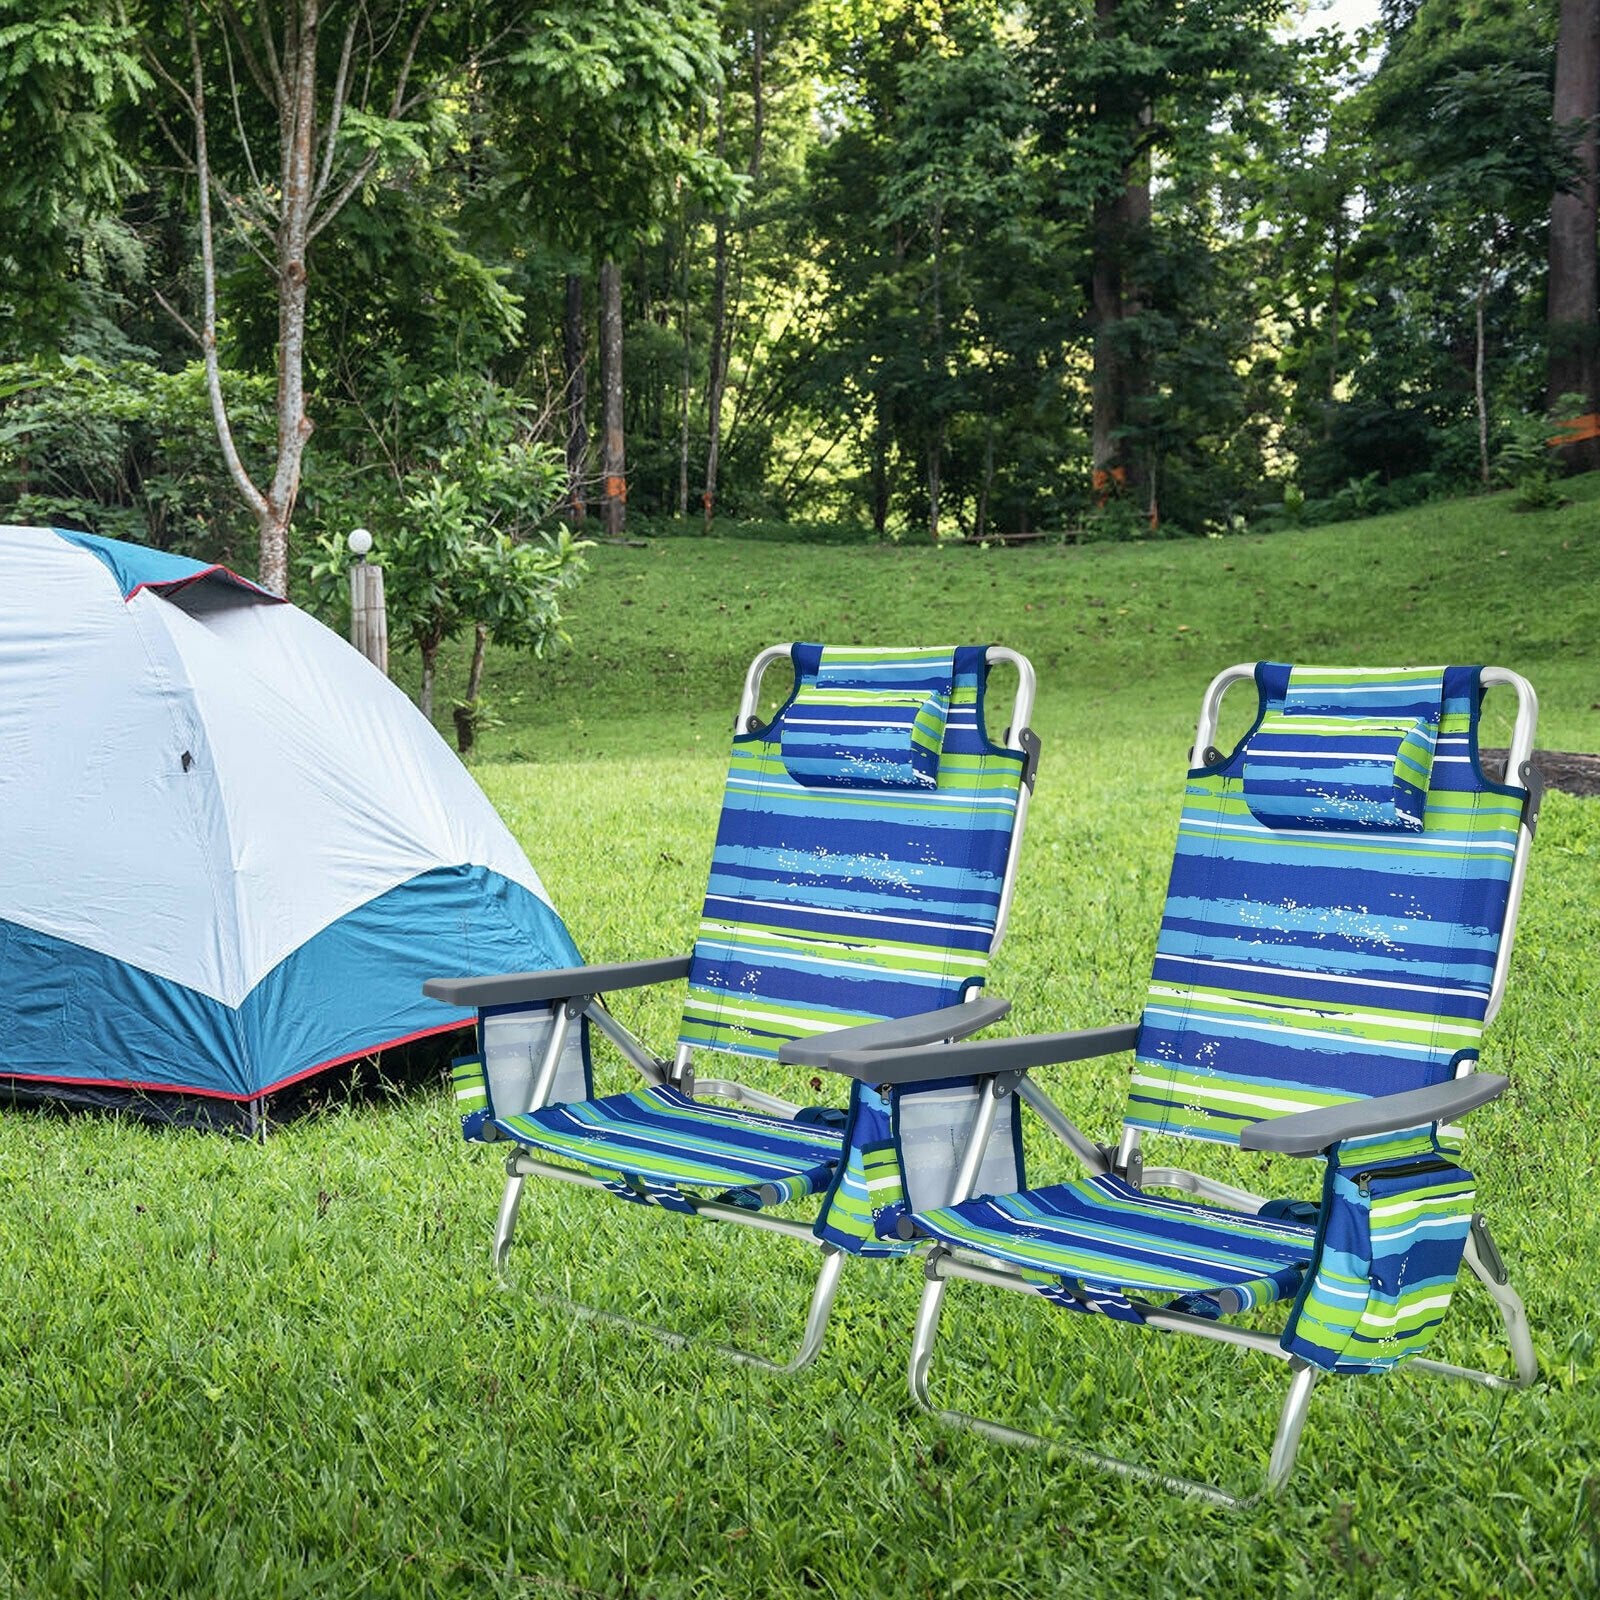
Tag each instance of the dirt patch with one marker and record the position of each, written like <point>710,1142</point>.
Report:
<point>1568,770</point>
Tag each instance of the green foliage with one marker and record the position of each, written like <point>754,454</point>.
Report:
<point>1462,163</point>
<point>64,67</point>
<point>126,450</point>
<point>1524,458</point>
<point>912,201</point>
<point>601,107</point>
<point>464,546</point>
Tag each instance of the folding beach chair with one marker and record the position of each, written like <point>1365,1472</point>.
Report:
<point>861,876</point>
<point>1336,934</point>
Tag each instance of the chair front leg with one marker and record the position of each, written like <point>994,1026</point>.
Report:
<point>1291,1423</point>
<point>923,1337</point>
<point>506,1223</point>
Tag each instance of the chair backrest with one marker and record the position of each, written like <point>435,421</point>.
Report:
<point>1338,901</point>
<point>860,863</point>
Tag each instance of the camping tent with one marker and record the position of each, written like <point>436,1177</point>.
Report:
<point>232,850</point>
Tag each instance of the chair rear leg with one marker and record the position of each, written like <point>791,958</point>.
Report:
<point>506,1223</point>
<point>1490,1270</point>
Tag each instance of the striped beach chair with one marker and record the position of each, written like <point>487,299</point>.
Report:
<point>1336,934</point>
<point>861,877</point>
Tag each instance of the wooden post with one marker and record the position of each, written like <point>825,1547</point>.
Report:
<point>369,620</point>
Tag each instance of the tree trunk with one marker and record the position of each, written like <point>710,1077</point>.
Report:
<point>939,375</point>
<point>575,374</point>
<point>430,659</point>
<point>1118,223</point>
<point>980,520</point>
<point>613,468</point>
<point>298,124</point>
<point>466,714</point>
<point>1574,314</point>
<point>1334,295</point>
<point>1478,390</point>
<point>721,333</point>
<point>880,466</point>
<point>717,377</point>
<point>686,377</point>
<point>735,254</point>
<point>717,373</point>
<point>1115,376</point>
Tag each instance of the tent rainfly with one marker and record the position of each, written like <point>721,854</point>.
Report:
<point>232,849</point>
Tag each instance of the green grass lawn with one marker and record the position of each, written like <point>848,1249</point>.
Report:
<point>253,1370</point>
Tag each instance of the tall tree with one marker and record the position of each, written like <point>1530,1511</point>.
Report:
<point>757,26</point>
<point>613,450</point>
<point>958,179</point>
<point>575,390</point>
<point>599,104</point>
<point>1116,81</point>
<point>1470,165</point>
<point>305,124</point>
<point>1574,294</point>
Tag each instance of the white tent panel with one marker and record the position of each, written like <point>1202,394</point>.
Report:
<point>334,786</point>
<point>92,785</point>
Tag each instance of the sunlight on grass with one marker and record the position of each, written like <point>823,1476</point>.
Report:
<point>286,1369</point>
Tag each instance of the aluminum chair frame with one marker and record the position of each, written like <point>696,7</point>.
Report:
<point>1010,1062</point>
<point>575,997</point>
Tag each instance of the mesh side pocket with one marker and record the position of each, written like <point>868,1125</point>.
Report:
<point>1391,1240</point>
<point>902,1154</point>
<point>931,1127</point>
<point>513,1044</point>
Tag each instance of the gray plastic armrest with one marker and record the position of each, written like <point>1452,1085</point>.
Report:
<point>982,1058</point>
<point>902,1033</point>
<point>561,983</point>
<point>1308,1133</point>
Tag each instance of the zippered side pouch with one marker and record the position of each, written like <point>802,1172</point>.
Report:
<point>1395,1218</point>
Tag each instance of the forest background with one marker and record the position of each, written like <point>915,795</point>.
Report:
<point>484,276</point>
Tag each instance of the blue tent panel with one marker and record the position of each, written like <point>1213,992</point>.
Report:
<point>71,1015</point>
<point>136,567</point>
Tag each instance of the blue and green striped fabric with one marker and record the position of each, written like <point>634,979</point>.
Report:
<point>869,720</point>
<point>1397,1211</point>
<point>1305,966</point>
<point>1339,773</point>
<point>471,1090</point>
<point>829,907</point>
<point>663,1137</point>
<point>867,1181</point>
<point>1299,967</point>
<point>1101,1238</point>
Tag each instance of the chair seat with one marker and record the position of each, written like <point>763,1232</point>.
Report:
<point>1102,1232</point>
<point>661,1135</point>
